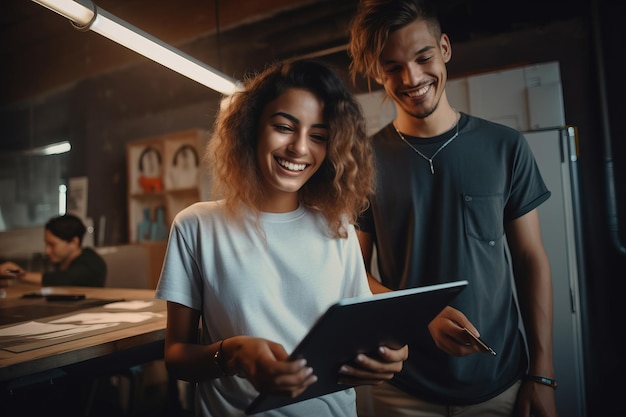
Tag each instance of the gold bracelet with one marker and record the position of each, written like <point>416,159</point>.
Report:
<point>542,380</point>
<point>218,359</point>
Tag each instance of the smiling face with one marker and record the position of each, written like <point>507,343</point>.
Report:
<point>414,69</point>
<point>292,143</point>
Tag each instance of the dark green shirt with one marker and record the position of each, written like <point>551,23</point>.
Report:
<point>87,270</point>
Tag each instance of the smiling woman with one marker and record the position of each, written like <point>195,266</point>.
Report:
<point>328,117</point>
<point>291,147</point>
<point>291,161</point>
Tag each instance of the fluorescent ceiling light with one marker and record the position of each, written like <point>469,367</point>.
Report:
<point>86,16</point>
<point>56,148</point>
<point>52,149</point>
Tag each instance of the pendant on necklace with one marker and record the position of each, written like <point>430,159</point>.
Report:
<point>430,160</point>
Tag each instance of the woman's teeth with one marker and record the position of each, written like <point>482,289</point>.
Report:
<point>291,166</point>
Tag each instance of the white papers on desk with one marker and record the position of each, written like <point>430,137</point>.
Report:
<point>107,317</point>
<point>129,305</point>
<point>37,330</point>
<point>46,332</point>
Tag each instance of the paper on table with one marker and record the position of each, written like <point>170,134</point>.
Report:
<point>37,334</point>
<point>130,305</point>
<point>106,317</point>
<point>31,328</point>
<point>82,322</point>
<point>75,330</point>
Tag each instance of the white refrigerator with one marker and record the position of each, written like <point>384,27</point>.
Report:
<point>556,153</point>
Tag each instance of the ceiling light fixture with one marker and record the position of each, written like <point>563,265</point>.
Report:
<point>52,149</point>
<point>84,15</point>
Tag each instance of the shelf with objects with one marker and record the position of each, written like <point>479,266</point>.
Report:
<point>164,177</point>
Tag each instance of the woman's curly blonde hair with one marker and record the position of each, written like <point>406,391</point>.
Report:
<point>342,185</point>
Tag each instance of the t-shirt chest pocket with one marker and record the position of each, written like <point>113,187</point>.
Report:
<point>482,215</point>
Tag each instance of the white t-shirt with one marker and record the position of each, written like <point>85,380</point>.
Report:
<point>270,279</point>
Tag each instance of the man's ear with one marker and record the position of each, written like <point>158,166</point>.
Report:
<point>446,48</point>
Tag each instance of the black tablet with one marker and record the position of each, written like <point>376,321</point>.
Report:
<point>360,325</point>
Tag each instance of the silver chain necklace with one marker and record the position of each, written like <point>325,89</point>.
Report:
<point>430,160</point>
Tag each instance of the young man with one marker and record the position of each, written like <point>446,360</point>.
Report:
<point>454,192</point>
<point>73,264</point>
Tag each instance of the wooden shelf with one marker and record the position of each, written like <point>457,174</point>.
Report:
<point>164,177</point>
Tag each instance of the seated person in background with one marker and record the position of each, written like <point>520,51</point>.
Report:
<point>73,264</point>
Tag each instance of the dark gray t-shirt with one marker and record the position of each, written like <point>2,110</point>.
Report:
<point>448,226</point>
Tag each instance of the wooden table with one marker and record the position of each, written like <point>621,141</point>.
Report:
<point>97,354</point>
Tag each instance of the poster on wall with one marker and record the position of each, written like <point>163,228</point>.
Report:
<point>183,172</point>
<point>77,196</point>
<point>77,191</point>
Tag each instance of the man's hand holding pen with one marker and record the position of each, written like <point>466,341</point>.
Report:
<point>454,334</point>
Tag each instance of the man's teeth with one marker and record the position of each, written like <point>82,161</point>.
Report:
<point>291,166</point>
<point>419,92</point>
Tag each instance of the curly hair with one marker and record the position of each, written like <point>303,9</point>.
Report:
<point>341,186</point>
<point>371,26</point>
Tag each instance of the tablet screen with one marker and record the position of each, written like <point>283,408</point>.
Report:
<point>360,325</point>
